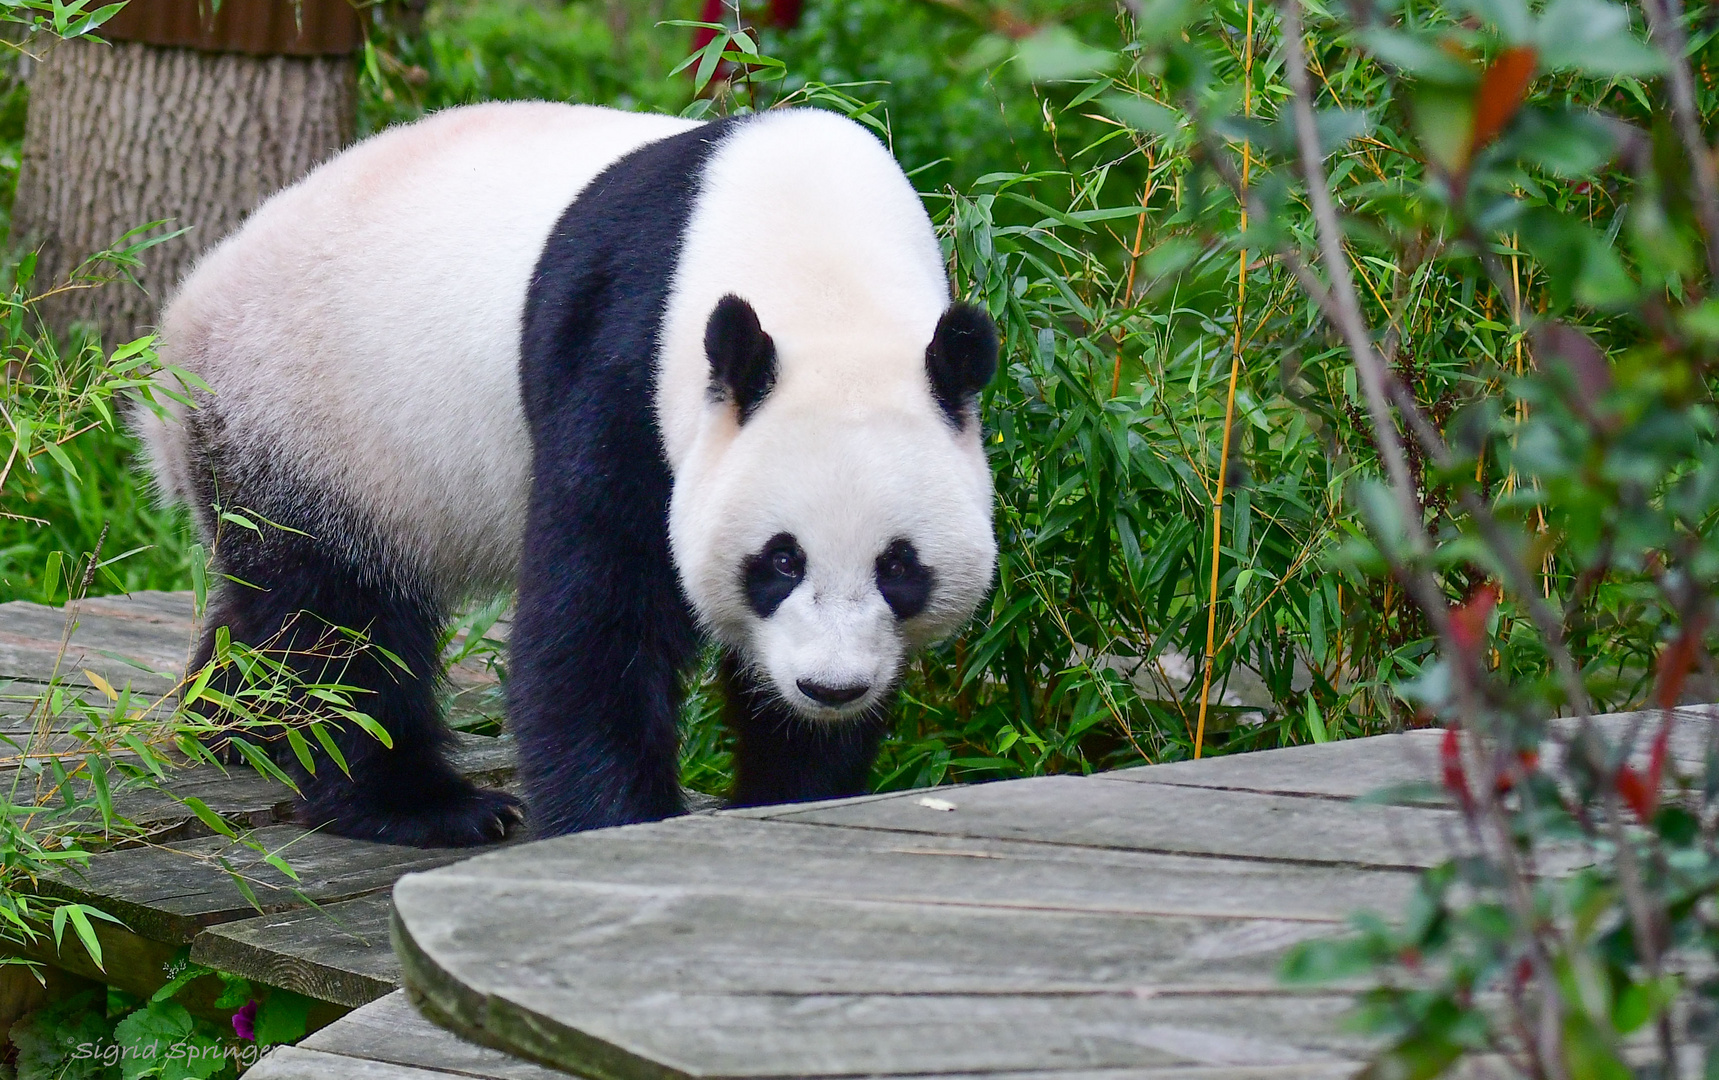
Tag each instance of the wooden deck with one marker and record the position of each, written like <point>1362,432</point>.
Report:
<point>1127,925</point>
<point>1121,925</point>
<point>173,893</point>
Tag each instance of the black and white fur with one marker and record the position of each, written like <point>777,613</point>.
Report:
<point>741,406</point>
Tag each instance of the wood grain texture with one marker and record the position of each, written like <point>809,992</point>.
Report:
<point>169,893</point>
<point>1041,925</point>
<point>728,853</point>
<point>332,952</point>
<point>1101,812</point>
<point>390,1030</point>
<point>294,1063</point>
<point>1341,770</point>
<point>125,134</point>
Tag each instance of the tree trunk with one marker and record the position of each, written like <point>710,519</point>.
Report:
<point>124,134</point>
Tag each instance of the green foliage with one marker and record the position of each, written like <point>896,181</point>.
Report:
<point>112,1035</point>
<point>1497,233</point>
<point>504,50</point>
<point>65,511</point>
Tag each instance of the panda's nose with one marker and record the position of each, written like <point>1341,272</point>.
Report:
<point>832,696</point>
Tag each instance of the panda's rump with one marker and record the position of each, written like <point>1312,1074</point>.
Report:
<point>360,335</point>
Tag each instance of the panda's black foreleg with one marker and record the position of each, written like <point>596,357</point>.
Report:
<point>600,640</point>
<point>782,757</point>
<point>298,595</point>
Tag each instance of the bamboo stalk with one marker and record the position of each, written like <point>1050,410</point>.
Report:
<point>1133,264</point>
<point>1229,410</point>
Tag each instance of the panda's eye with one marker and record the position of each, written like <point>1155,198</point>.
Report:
<point>771,576</point>
<point>903,580</point>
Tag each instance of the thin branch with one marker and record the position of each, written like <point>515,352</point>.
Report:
<point>1665,17</point>
<point>1467,676</point>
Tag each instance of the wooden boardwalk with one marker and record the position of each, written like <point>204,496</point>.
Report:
<point>1126,925</point>
<point>1121,925</point>
<point>172,893</point>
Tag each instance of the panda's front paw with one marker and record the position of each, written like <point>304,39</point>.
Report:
<point>465,816</point>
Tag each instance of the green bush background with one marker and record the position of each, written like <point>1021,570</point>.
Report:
<point>1091,242</point>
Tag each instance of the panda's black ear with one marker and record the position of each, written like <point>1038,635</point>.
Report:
<point>961,359</point>
<point>742,356</point>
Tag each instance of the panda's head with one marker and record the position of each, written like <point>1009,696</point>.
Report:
<point>836,514</point>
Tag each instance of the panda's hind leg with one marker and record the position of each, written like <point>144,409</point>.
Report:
<point>296,600</point>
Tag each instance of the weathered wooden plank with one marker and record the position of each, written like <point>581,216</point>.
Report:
<point>124,650</point>
<point>333,952</point>
<point>1691,730</point>
<point>148,605</point>
<point>293,1063</point>
<point>731,946</point>
<point>633,942</point>
<point>585,1026</point>
<point>390,1030</point>
<point>1342,770</point>
<point>40,662</point>
<point>156,630</point>
<point>169,893</point>
<point>1359,767</point>
<point>1100,812</point>
<point>239,794</point>
<point>730,853</point>
<point>140,966</point>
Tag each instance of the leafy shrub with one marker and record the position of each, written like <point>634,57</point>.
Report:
<point>1544,493</point>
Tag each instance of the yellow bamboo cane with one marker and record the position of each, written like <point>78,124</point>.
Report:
<point>1229,409</point>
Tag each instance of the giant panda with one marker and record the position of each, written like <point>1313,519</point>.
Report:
<point>677,381</point>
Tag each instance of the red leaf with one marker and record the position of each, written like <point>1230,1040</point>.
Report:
<point>1450,766</point>
<point>1636,792</point>
<point>1675,664</point>
<point>1656,757</point>
<point>1468,619</point>
<point>1501,91</point>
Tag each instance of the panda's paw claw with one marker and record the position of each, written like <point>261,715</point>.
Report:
<point>465,818</point>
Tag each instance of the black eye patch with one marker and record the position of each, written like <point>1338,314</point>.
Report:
<point>773,573</point>
<point>903,580</point>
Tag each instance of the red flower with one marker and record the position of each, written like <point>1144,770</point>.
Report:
<point>245,1021</point>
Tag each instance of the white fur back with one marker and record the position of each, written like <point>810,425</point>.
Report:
<point>365,323</point>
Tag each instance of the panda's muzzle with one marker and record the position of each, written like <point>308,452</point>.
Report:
<point>832,697</point>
